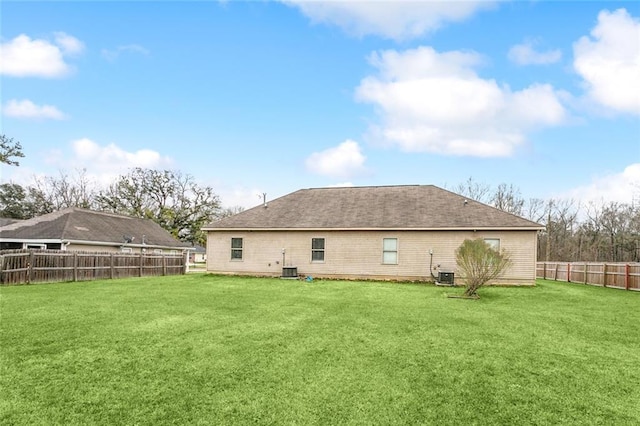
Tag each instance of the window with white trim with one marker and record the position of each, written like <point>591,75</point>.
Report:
<point>317,249</point>
<point>236,248</point>
<point>494,243</point>
<point>390,251</point>
<point>126,250</point>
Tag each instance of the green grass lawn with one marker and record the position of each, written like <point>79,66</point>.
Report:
<point>202,349</point>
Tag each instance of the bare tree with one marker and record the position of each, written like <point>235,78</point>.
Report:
<point>66,190</point>
<point>474,190</point>
<point>508,199</point>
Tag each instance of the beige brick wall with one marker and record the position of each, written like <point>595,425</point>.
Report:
<point>358,254</point>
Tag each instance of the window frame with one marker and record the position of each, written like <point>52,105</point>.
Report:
<point>237,250</point>
<point>316,250</point>
<point>386,251</point>
<point>494,243</point>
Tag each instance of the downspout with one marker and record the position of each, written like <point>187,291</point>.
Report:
<point>435,279</point>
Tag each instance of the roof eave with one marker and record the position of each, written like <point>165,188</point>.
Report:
<point>317,229</point>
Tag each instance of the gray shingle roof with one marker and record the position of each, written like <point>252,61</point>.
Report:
<point>374,207</point>
<point>77,224</point>
<point>7,221</point>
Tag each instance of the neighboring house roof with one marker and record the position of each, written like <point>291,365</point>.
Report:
<point>88,226</point>
<point>198,249</point>
<point>374,207</point>
<point>7,221</point>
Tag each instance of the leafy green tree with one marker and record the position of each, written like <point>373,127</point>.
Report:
<point>480,264</point>
<point>10,149</point>
<point>172,199</point>
<point>18,202</point>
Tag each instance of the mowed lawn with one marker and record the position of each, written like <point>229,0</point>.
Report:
<point>202,349</point>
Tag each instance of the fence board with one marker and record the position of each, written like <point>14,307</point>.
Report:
<point>38,266</point>
<point>616,275</point>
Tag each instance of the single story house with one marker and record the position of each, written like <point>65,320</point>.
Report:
<point>198,254</point>
<point>379,232</point>
<point>87,230</point>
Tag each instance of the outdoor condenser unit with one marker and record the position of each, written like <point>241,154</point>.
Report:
<point>445,278</point>
<point>289,272</point>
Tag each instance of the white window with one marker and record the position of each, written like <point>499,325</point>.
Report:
<point>494,243</point>
<point>36,246</point>
<point>236,248</point>
<point>157,251</point>
<point>390,251</point>
<point>126,250</point>
<point>317,249</point>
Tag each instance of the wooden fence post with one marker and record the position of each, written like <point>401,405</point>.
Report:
<point>75,266</point>
<point>627,269</point>
<point>586,269</point>
<point>164,265</point>
<point>141,264</point>
<point>568,272</point>
<point>111,265</point>
<point>32,258</point>
<point>604,274</point>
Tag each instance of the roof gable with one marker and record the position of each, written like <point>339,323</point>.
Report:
<point>374,207</point>
<point>75,224</point>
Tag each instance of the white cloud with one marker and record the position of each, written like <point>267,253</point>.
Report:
<point>525,54</point>
<point>104,163</point>
<point>112,156</point>
<point>435,102</point>
<point>26,57</point>
<point>341,185</point>
<point>342,161</point>
<point>113,54</point>
<point>69,44</point>
<point>616,187</point>
<point>609,61</point>
<point>398,20</point>
<point>27,109</point>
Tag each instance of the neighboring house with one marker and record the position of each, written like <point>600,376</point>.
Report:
<point>86,230</point>
<point>383,232</point>
<point>197,255</point>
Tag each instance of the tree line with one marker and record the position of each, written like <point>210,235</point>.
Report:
<point>606,232</point>
<point>602,232</point>
<point>171,198</point>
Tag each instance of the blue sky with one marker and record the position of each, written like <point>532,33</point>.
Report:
<point>253,97</point>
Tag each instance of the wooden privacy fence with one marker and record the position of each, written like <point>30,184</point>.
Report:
<point>617,275</point>
<point>37,266</point>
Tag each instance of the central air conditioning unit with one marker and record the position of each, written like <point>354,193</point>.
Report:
<point>445,278</point>
<point>289,272</point>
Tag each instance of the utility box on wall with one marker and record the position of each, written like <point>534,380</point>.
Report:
<point>445,278</point>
